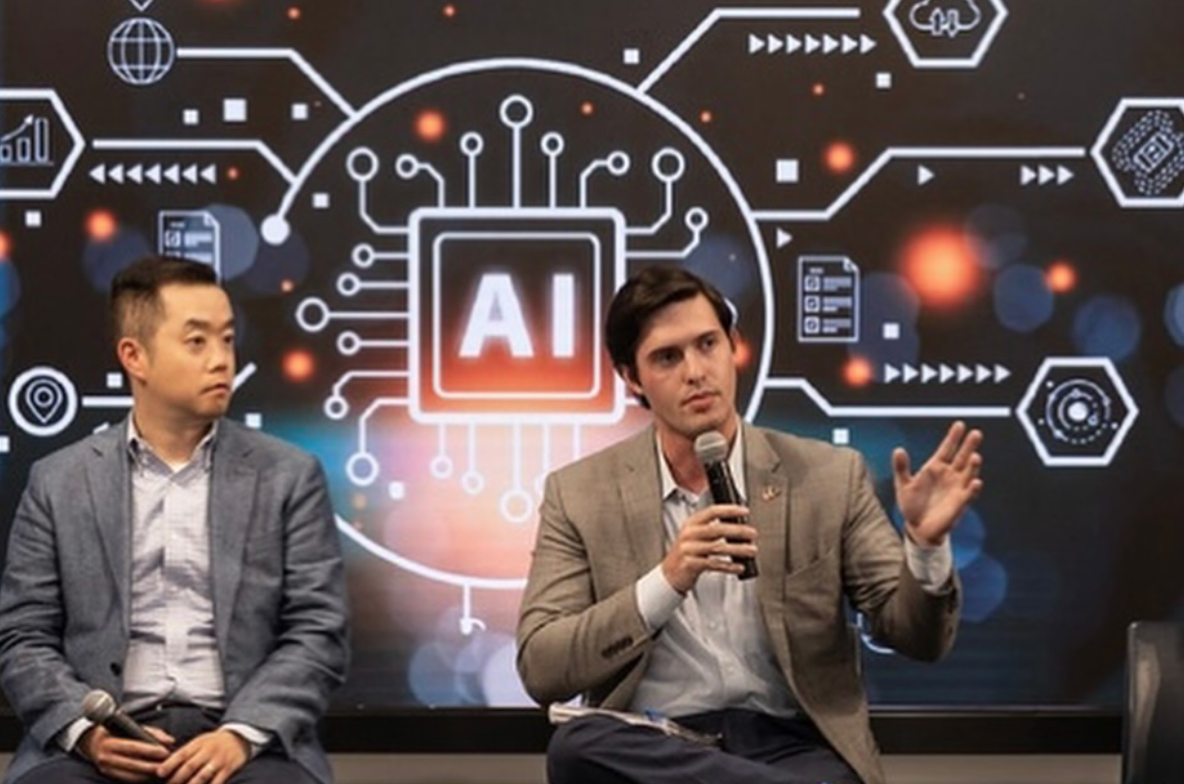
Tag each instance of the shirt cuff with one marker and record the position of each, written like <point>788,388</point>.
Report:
<point>932,566</point>
<point>68,738</point>
<point>656,599</point>
<point>256,738</point>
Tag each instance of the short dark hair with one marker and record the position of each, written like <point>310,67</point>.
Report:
<point>645,294</point>
<point>135,306</point>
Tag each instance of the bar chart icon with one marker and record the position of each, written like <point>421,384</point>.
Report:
<point>28,144</point>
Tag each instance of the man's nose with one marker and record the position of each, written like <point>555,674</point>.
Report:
<point>223,356</point>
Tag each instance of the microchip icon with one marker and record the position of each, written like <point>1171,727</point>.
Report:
<point>507,308</point>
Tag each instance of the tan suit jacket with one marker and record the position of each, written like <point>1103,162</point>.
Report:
<point>823,539</point>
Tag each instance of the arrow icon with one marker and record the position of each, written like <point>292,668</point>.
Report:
<point>866,44</point>
<point>783,238</point>
<point>812,44</point>
<point>890,374</point>
<point>849,44</point>
<point>99,174</point>
<point>1063,175</point>
<point>924,175</point>
<point>755,43</point>
<point>829,44</point>
<point>792,44</point>
<point>774,44</point>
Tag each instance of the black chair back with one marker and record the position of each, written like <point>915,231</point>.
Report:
<point>1153,724</point>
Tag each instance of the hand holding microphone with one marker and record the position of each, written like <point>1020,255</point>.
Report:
<point>100,707</point>
<point>715,539</point>
<point>712,450</point>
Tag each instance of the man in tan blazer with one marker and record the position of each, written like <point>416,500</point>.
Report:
<point>634,601</point>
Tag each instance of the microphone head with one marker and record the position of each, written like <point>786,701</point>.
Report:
<point>98,706</point>
<point>711,447</point>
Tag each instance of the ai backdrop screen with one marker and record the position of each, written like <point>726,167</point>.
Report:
<point>921,210</point>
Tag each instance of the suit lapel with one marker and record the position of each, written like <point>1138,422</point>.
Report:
<point>642,501</point>
<point>108,481</point>
<point>768,503</point>
<point>767,487</point>
<point>232,494</point>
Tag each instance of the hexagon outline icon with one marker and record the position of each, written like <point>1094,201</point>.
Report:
<point>79,144</point>
<point>971,61</point>
<point>1088,461</point>
<point>1096,152</point>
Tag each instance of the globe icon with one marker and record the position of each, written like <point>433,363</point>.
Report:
<point>141,51</point>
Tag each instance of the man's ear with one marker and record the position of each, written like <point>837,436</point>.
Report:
<point>132,356</point>
<point>630,380</point>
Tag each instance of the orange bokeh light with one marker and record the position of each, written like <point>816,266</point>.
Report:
<point>5,246</point>
<point>819,89</point>
<point>706,116</point>
<point>101,225</point>
<point>840,157</point>
<point>943,264</point>
<point>294,13</point>
<point>430,125</point>
<point>1061,277</point>
<point>587,108</point>
<point>232,173</point>
<point>858,372</point>
<point>743,353</point>
<point>287,286</point>
<point>450,10</point>
<point>299,365</point>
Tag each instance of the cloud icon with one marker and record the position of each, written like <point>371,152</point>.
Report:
<point>945,17</point>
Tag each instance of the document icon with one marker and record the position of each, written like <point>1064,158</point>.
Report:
<point>828,299</point>
<point>191,234</point>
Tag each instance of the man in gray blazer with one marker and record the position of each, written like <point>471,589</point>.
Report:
<point>184,564</point>
<point>633,599</point>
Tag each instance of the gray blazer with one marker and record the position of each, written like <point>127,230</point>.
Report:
<point>276,575</point>
<point>823,539</point>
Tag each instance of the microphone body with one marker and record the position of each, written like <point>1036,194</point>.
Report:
<point>100,707</point>
<point>712,450</point>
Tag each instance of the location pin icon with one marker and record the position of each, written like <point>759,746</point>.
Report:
<point>44,398</point>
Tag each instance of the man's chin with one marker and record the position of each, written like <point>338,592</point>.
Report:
<point>215,410</point>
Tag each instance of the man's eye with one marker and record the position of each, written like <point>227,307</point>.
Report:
<point>667,357</point>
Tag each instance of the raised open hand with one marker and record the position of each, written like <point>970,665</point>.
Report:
<point>933,498</point>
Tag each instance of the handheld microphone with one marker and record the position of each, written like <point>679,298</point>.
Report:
<point>100,707</point>
<point>712,450</point>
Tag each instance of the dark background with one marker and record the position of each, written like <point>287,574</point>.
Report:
<point>1056,561</point>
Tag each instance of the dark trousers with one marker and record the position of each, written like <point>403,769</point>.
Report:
<point>183,723</point>
<point>755,749</point>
